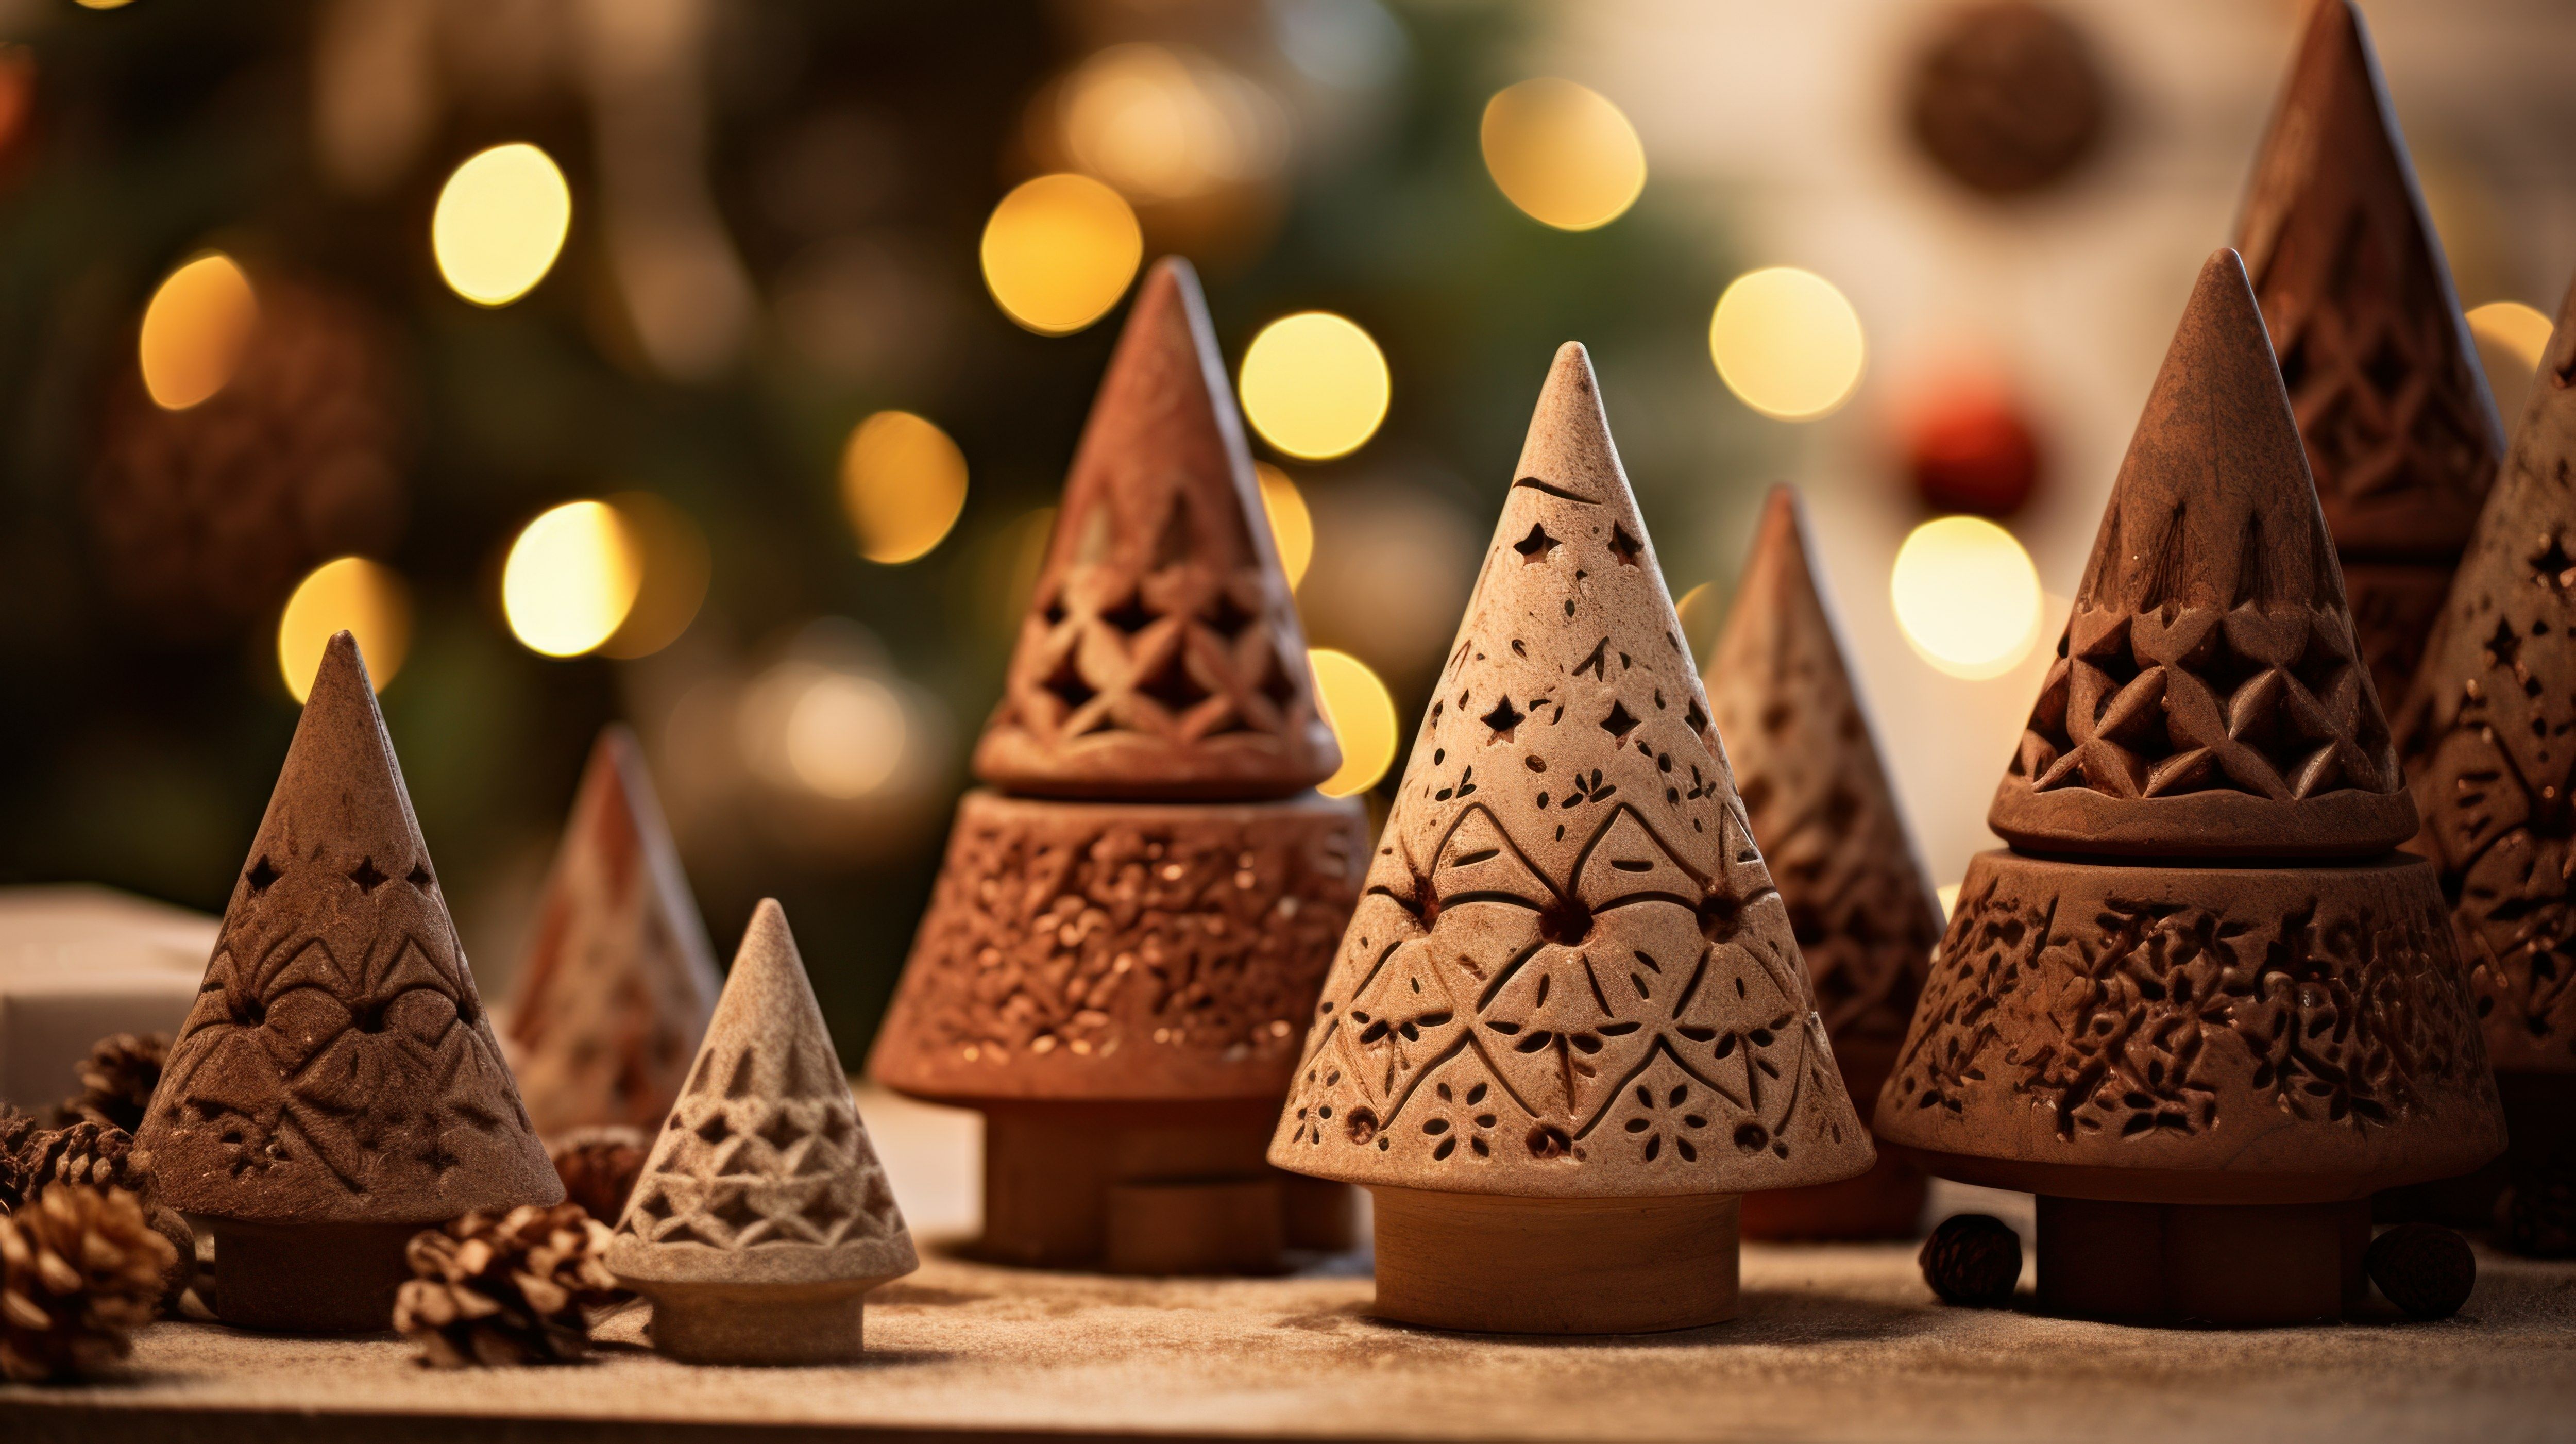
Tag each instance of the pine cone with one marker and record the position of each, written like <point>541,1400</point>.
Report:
<point>506,1291</point>
<point>78,1267</point>
<point>117,1079</point>
<point>16,1129</point>
<point>2423,1268</point>
<point>1972,1259</point>
<point>205,517</point>
<point>85,1153</point>
<point>599,1167</point>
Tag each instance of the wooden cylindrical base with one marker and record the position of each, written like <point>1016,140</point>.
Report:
<point>767,1324</point>
<point>1488,1264</point>
<point>1183,1191</point>
<point>320,1278</point>
<point>2229,1264</point>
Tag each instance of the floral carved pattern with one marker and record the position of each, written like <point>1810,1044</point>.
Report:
<point>2121,1018</point>
<point>1060,939</point>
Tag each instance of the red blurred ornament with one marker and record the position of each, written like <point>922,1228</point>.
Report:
<point>1969,449</point>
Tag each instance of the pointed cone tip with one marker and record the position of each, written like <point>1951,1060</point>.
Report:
<point>1569,445</point>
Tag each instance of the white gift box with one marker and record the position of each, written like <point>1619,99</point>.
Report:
<point>78,963</point>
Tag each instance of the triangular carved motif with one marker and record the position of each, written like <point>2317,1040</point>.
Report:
<point>1815,791</point>
<point>612,999</point>
<point>763,1173</point>
<point>1570,974</point>
<point>2208,698</point>
<point>1161,656</point>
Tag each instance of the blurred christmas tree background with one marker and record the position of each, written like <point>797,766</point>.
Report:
<point>778,231</point>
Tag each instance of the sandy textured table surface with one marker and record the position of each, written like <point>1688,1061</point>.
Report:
<point>1833,1343</point>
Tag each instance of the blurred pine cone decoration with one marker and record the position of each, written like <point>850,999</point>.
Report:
<point>599,1167</point>
<point>16,1129</point>
<point>117,1080</point>
<point>206,517</point>
<point>78,1268</point>
<point>85,1153</point>
<point>1972,1259</point>
<point>507,1290</point>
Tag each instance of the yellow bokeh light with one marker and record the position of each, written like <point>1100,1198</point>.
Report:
<point>354,595</point>
<point>195,330</point>
<point>1357,706</point>
<point>1167,125</point>
<point>1563,153</point>
<point>1314,385</point>
<point>572,577</point>
<point>1966,596</point>
<point>2511,338</point>
<point>1059,252</point>
<point>1292,527</point>
<point>671,555</point>
<point>903,483</point>
<point>105,5</point>
<point>1787,343</point>
<point>500,223</point>
<point>845,735</point>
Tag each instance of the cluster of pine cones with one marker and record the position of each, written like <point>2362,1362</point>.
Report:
<point>506,1290</point>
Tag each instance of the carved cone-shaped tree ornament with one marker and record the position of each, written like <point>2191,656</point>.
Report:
<point>1113,969</point>
<point>2400,432</point>
<point>1568,1025</point>
<point>2488,734</point>
<point>614,994</point>
<point>337,1086</point>
<point>2208,1041</point>
<point>762,1218</point>
<point>1827,822</point>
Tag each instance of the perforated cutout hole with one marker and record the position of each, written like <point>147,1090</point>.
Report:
<point>262,876</point>
<point>367,875</point>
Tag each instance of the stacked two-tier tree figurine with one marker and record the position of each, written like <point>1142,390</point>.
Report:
<point>2199,1007</point>
<point>1829,829</point>
<point>1130,927</point>
<point>1568,1027</point>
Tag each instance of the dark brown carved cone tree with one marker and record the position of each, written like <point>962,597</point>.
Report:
<point>2203,1069</point>
<point>1112,970</point>
<point>2400,431</point>
<point>763,1217</point>
<point>2488,734</point>
<point>1569,1025</point>
<point>337,1086</point>
<point>612,999</point>
<point>1826,820</point>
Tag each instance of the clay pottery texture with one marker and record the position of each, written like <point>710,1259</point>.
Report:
<point>613,996</point>
<point>1570,989</point>
<point>1133,919</point>
<point>1864,915</point>
<point>2488,733</point>
<point>1161,656</point>
<point>2207,699</point>
<point>2204,1058</point>
<point>337,1086</point>
<point>762,1217</point>
<point>2400,432</point>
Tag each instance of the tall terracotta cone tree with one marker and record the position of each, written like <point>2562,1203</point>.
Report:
<point>2400,431</point>
<point>762,1218</point>
<point>337,1086</point>
<point>2486,735</point>
<point>613,997</point>
<point>1826,820</point>
<point>2199,1007</point>
<point>1568,1025</point>
<point>1129,926</point>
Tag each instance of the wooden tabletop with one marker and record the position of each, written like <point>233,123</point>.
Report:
<point>1833,1343</point>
